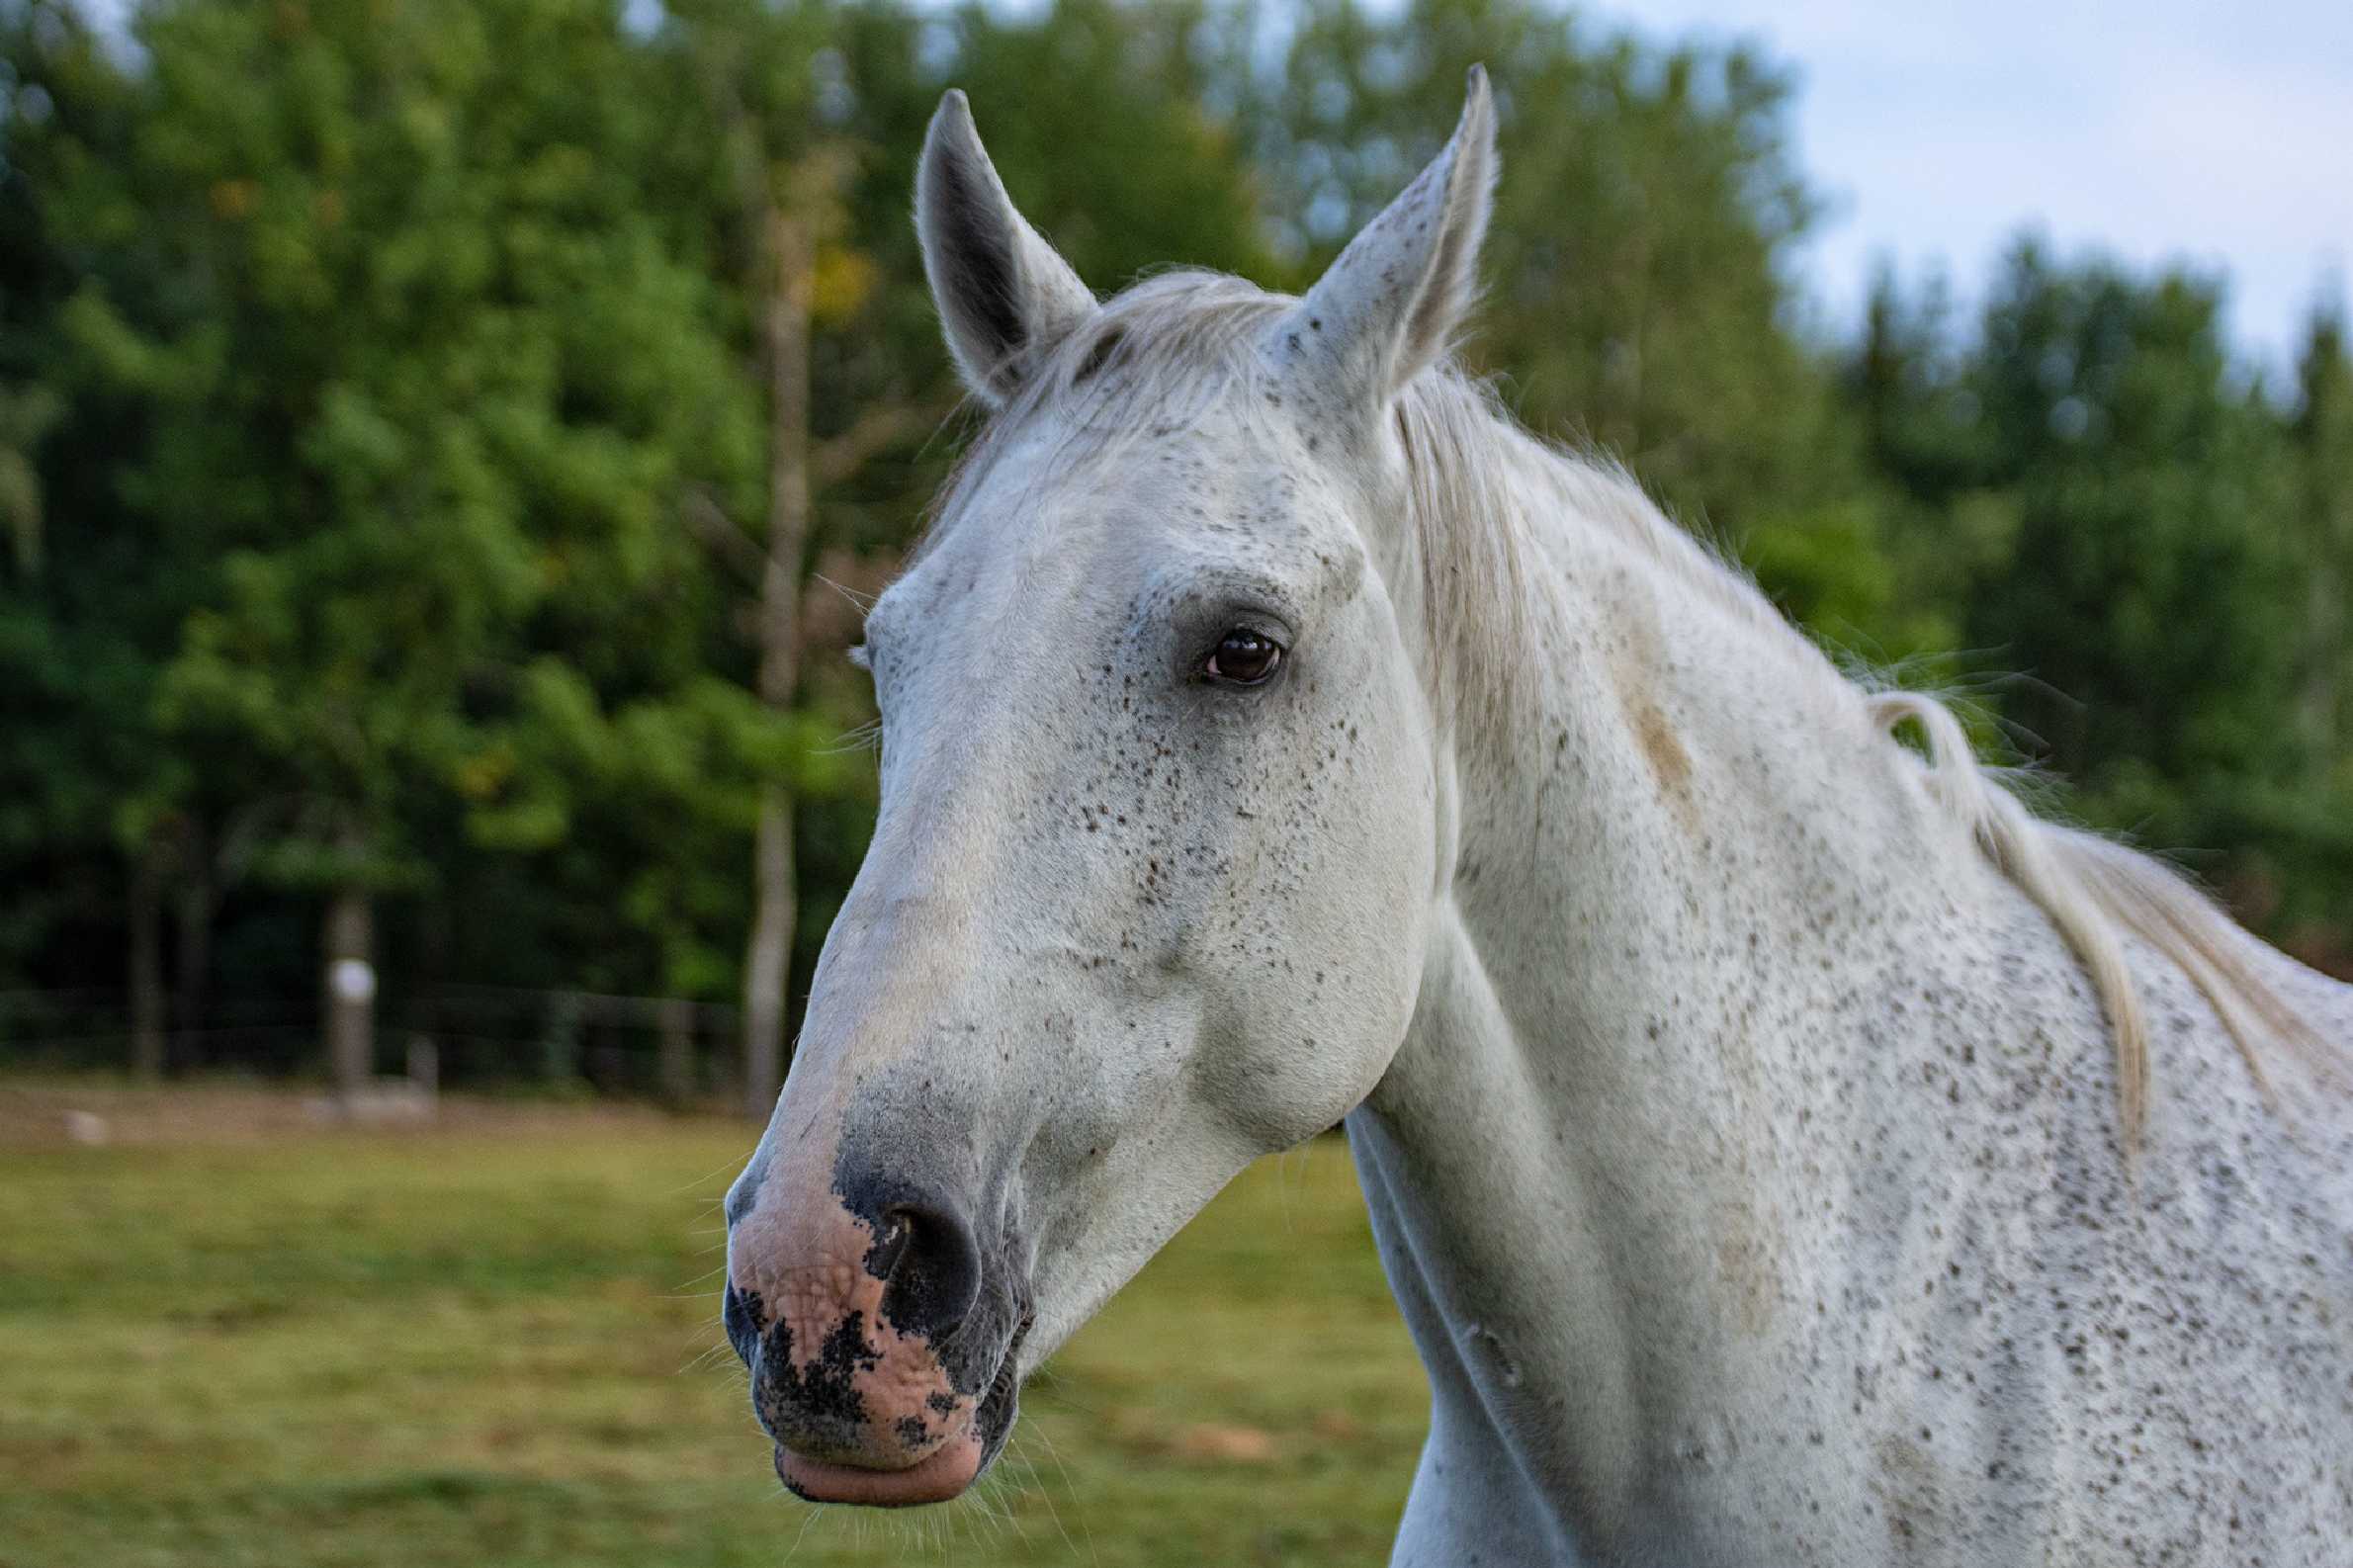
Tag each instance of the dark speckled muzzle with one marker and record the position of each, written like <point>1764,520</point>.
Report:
<point>879,1330</point>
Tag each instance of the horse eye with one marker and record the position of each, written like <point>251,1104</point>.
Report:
<point>1243,659</point>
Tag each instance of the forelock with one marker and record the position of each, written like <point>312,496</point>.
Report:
<point>1149,364</point>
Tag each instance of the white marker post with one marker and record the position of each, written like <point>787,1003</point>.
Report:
<point>350,995</point>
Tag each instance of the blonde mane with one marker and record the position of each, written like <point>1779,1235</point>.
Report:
<point>1177,343</point>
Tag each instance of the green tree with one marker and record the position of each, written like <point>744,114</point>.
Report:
<point>2152,495</point>
<point>89,598</point>
<point>2322,431</point>
<point>424,390</point>
<point>2117,515</point>
<point>2312,818</point>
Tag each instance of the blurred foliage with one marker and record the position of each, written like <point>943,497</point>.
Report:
<point>2153,548</point>
<point>381,401</point>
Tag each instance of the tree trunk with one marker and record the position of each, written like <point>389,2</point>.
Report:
<point>2329,608</point>
<point>675,1058</point>
<point>560,1038</point>
<point>767,965</point>
<point>191,960</point>
<point>147,967</point>
<point>348,980</point>
<point>767,959</point>
<point>2322,704</point>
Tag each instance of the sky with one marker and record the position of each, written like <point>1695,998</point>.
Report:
<point>2218,133</point>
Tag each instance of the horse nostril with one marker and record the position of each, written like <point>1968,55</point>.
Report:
<point>898,1238</point>
<point>931,1267</point>
<point>740,1312</point>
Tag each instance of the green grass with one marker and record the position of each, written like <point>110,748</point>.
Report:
<point>253,1343</point>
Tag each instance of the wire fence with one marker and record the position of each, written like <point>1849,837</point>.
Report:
<point>673,1048</point>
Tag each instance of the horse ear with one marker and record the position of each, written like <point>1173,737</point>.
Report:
<point>1389,306</point>
<point>1004,296</point>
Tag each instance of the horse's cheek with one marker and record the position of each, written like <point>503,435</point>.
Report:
<point>1330,1007</point>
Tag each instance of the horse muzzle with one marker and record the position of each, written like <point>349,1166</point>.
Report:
<point>880,1340</point>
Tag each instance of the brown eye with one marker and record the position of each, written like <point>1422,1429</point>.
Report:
<point>1243,659</point>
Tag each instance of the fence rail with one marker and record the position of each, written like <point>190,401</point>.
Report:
<point>676,1048</point>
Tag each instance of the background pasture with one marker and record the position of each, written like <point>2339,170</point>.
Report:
<point>241,1340</point>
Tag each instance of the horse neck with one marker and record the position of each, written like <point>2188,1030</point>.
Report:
<point>1659,986</point>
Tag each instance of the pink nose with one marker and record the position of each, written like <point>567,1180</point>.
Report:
<point>842,1327</point>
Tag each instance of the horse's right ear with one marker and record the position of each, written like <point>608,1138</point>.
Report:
<point>1004,297</point>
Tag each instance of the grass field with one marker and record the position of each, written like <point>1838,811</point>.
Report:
<point>230,1338</point>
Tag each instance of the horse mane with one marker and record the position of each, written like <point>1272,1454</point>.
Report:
<point>1183,340</point>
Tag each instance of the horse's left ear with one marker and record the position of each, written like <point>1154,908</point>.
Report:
<point>1389,306</point>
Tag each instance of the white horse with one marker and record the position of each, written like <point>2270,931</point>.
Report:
<point>1785,1148</point>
